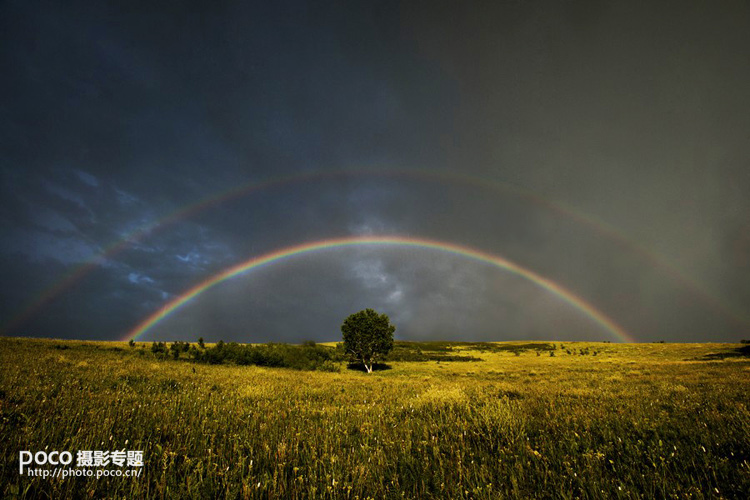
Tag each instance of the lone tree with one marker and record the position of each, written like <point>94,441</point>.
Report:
<point>367,336</point>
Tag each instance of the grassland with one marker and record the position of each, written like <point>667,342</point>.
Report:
<point>632,421</point>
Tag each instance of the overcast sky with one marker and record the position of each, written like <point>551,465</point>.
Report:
<point>602,145</point>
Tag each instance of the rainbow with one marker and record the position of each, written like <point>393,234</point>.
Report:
<point>394,241</point>
<point>71,278</point>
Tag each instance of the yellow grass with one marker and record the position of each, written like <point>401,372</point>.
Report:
<point>632,421</point>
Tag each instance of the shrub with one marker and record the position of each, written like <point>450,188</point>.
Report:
<point>329,366</point>
<point>158,347</point>
<point>305,357</point>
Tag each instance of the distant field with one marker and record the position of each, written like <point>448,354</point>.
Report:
<point>544,420</point>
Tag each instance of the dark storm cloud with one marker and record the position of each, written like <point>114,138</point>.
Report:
<point>632,112</point>
<point>633,115</point>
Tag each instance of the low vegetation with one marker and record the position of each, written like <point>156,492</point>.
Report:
<point>510,420</point>
<point>308,356</point>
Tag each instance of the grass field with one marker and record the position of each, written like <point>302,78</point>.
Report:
<point>594,420</point>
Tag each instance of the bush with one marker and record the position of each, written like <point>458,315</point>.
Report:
<point>329,366</point>
<point>158,347</point>
<point>308,356</point>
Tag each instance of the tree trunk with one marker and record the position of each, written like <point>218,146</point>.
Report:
<point>368,368</point>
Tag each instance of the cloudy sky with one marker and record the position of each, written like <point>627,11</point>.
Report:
<point>147,146</point>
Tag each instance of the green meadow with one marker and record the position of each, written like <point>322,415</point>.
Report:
<point>467,420</point>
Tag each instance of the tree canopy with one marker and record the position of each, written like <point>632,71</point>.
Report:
<point>368,336</point>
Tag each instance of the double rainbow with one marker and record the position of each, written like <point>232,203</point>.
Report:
<point>78,273</point>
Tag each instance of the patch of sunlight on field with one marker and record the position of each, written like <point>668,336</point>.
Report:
<point>440,396</point>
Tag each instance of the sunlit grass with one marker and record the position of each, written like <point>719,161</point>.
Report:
<point>632,421</point>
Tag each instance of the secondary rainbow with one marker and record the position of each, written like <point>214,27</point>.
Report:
<point>71,278</point>
<point>392,241</point>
